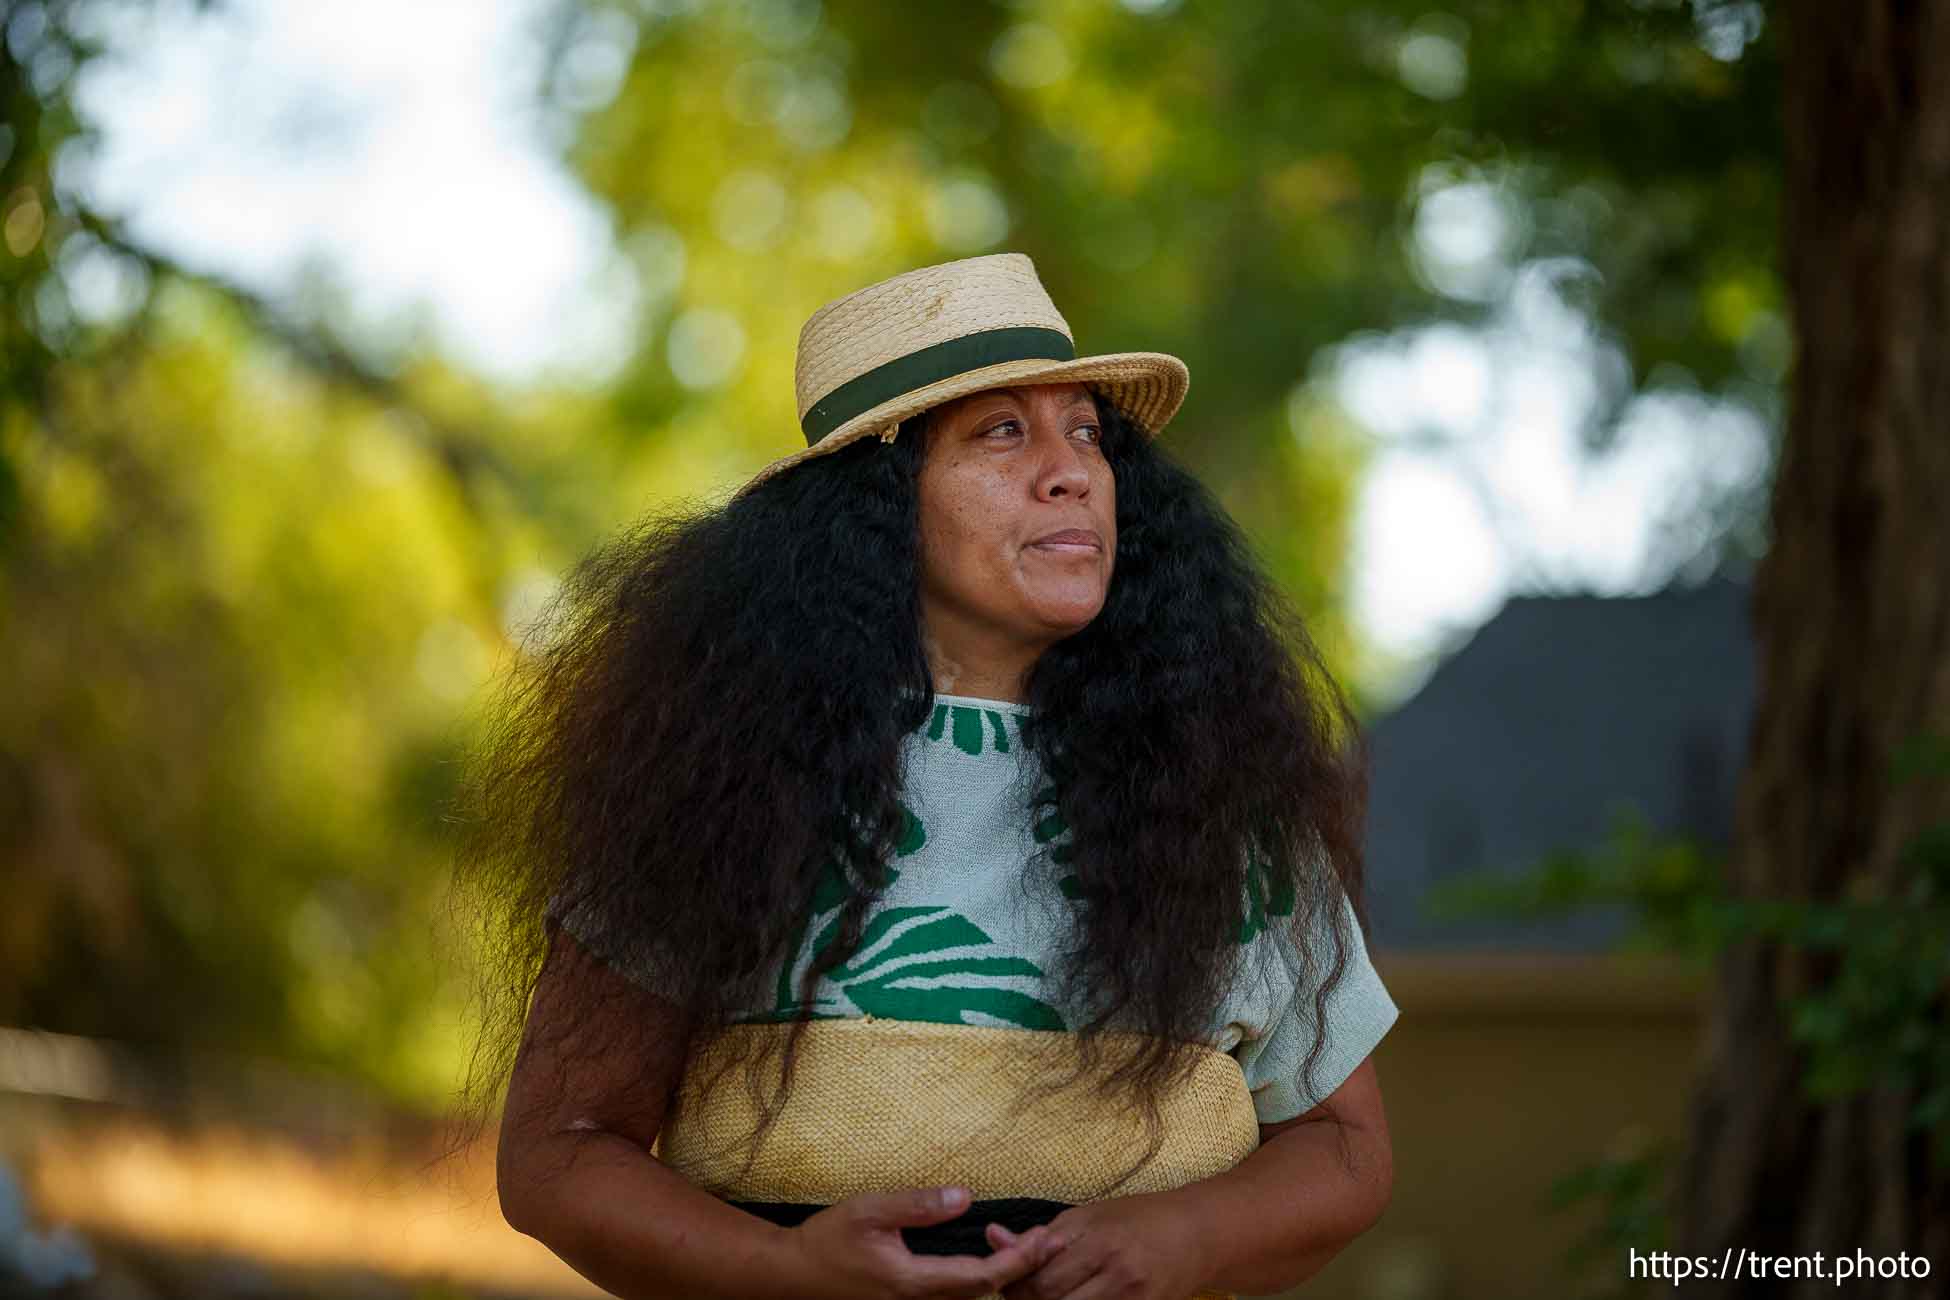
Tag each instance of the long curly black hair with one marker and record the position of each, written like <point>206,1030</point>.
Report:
<point>711,710</point>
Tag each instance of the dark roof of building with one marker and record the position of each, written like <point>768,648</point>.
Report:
<point>1556,713</point>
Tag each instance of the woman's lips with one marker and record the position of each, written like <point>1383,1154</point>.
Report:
<point>1073,541</point>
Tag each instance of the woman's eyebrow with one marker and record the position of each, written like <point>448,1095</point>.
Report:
<point>1081,399</point>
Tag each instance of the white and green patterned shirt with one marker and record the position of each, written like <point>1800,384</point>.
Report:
<point>962,937</point>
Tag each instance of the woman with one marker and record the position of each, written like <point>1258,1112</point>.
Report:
<point>966,743</point>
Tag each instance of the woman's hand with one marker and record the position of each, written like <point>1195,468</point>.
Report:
<point>1129,1247</point>
<point>853,1251</point>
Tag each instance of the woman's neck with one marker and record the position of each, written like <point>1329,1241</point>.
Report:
<point>964,674</point>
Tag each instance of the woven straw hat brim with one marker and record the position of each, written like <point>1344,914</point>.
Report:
<point>1149,387</point>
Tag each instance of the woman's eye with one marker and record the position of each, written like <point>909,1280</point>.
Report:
<point>1096,433</point>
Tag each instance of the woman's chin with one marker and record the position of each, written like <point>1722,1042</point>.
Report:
<point>1069,609</point>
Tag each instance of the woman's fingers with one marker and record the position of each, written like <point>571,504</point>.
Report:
<point>956,1274</point>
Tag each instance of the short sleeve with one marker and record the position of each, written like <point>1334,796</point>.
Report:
<point>1359,1012</point>
<point>596,934</point>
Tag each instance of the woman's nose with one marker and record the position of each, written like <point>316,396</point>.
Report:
<point>1064,466</point>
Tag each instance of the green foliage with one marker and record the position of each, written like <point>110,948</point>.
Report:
<point>1627,1190</point>
<point>1874,1020</point>
<point>1670,886</point>
<point>251,572</point>
<point>1878,1021</point>
<point>244,586</point>
<point>1238,184</point>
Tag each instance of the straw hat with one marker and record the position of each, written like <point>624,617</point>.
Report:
<point>880,354</point>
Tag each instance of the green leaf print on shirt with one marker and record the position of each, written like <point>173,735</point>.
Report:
<point>963,725</point>
<point>829,891</point>
<point>883,982</point>
<point>900,970</point>
<point>1048,828</point>
<point>1258,905</point>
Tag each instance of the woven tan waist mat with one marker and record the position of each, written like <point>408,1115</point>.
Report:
<point>884,1105</point>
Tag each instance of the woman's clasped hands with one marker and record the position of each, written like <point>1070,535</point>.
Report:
<point>853,1250</point>
<point>1127,1248</point>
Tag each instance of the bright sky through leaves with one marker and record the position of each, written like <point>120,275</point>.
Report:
<point>397,145</point>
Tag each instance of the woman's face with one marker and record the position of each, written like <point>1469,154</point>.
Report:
<point>1004,470</point>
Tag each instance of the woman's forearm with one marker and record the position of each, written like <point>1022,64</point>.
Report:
<point>1274,1220</point>
<point>641,1231</point>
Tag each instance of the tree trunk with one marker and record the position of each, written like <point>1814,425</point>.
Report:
<point>1852,627</point>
